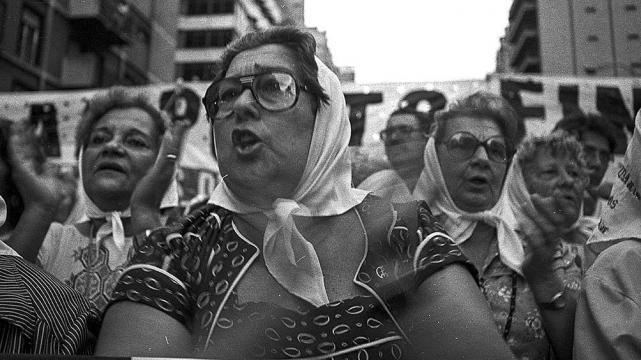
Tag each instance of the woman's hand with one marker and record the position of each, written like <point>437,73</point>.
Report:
<point>43,193</point>
<point>36,181</point>
<point>148,194</point>
<point>541,232</point>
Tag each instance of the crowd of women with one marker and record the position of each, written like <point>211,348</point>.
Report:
<point>476,251</point>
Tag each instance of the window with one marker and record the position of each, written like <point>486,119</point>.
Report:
<point>29,37</point>
<point>630,7</point>
<point>633,36</point>
<point>202,7</point>
<point>205,38</point>
<point>590,9</point>
<point>197,71</point>
<point>590,70</point>
<point>593,38</point>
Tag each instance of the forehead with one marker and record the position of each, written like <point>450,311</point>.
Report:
<point>402,119</point>
<point>261,58</point>
<point>595,140</point>
<point>125,120</point>
<point>482,128</point>
<point>545,157</point>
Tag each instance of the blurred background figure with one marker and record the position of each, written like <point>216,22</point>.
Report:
<point>598,136</point>
<point>404,136</point>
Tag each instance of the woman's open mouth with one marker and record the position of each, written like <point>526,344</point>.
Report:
<point>110,166</point>
<point>478,181</point>
<point>245,142</point>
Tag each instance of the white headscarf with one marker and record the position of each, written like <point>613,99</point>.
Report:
<point>324,190</point>
<point>388,185</point>
<point>517,198</point>
<point>621,219</point>
<point>113,219</point>
<point>460,224</point>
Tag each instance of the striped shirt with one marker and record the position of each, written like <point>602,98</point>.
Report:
<point>41,315</point>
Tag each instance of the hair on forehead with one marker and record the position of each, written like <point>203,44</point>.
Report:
<point>484,105</point>
<point>115,98</point>
<point>578,123</point>
<point>302,45</point>
<point>558,144</point>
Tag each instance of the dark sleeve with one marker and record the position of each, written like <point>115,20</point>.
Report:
<point>415,247</point>
<point>435,249</point>
<point>160,271</point>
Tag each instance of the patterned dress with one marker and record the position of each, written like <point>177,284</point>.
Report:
<point>515,311</point>
<point>190,272</point>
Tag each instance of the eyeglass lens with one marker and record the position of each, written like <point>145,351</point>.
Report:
<point>274,91</point>
<point>463,145</point>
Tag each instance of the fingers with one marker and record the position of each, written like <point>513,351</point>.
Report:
<point>540,230</point>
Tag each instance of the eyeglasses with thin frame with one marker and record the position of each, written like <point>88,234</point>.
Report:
<point>275,90</point>
<point>463,145</point>
<point>403,131</point>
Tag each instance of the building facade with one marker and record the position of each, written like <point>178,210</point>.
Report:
<point>205,27</point>
<point>74,44</point>
<point>573,37</point>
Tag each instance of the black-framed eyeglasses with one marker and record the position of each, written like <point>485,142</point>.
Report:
<point>275,90</point>
<point>402,131</point>
<point>462,145</point>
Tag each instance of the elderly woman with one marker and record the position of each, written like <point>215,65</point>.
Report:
<point>466,163</point>
<point>288,260</point>
<point>119,138</point>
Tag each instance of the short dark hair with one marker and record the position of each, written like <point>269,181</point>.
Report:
<point>424,120</point>
<point>114,98</point>
<point>301,43</point>
<point>578,123</point>
<point>484,105</point>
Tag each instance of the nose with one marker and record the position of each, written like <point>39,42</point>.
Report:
<point>245,106</point>
<point>114,146</point>
<point>566,179</point>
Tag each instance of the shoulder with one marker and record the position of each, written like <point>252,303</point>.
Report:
<point>624,256</point>
<point>617,268</point>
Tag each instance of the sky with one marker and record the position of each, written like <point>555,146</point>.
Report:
<point>412,40</point>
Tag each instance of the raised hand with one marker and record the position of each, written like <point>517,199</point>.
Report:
<point>148,195</point>
<point>35,179</point>
<point>42,192</point>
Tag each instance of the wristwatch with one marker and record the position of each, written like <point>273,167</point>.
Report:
<point>557,302</point>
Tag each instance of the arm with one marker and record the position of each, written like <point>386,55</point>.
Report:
<point>39,188</point>
<point>541,235</point>
<point>448,318</point>
<point>146,198</point>
<point>608,313</point>
<point>133,329</point>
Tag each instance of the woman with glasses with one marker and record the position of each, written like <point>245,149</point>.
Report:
<point>288,260</point>
<point>466,163</point>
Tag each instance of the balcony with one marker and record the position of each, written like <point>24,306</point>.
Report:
<point>524,19</point>
<point>101,22</point>
<point>516,7</point>
<point>525,54</point>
